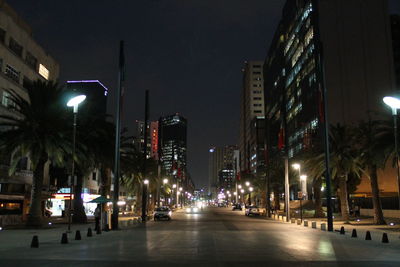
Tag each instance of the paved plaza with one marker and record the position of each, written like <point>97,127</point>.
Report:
<point>215,237</point>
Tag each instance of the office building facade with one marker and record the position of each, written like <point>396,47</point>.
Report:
<point>358,66</point>
<point>219,158</point>
<point>251,108</point>
<point>22,61</point>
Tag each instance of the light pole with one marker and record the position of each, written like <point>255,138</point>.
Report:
<point>73,102</point>
<point>145,191</point>
<point>250,190</point>
<point>176,197</point>
<point>165,181</point>
<point>303,178</point>
<point>394,103</point>
<point>303,183</point>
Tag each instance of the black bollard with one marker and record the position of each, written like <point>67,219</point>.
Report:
<point>342,230</point>
<point>368,236</point>
<point>354,233</point>
<point>78,235</point>
<point>106,228</point>
<point>98,231</point>
<point>385,238</point>
<point>35,242</point>
<point>64,238</point>
<point>89,232</point>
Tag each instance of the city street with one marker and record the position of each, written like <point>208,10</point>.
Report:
<point>215,237</point>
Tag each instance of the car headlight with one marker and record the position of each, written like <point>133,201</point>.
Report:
<point>195,209</point>
<point>188,210</point>
<point>170,213</point>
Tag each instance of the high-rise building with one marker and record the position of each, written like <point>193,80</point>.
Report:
<point>152,138</point>
<point>358,62</point>
<point>22,61</point>
<point>219,158</point>
<point>395,27</point>
<point>172,144</point>
<point>251,107</point>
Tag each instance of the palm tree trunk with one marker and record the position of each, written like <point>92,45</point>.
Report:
<point>35,214</point>
<point>319,213</point>
<point>276,199</point>
<point>378,214</point>
<point>344,203</point>
<point>79,215</point>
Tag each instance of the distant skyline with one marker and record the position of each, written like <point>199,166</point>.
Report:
<point>189,54</point>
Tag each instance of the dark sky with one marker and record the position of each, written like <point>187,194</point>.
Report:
<point>188,53</point>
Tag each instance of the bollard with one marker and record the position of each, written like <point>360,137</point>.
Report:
<point>342,230</point>
<point>78,235</point>
<point>89,232</point>
<point>292,220</point>
<point>385,238</point>
<point>284,218</point>
<point>106,228</point>
<point>280,217</point>
<point>354,233</point>
<point>368,236</point>
<point>298,222</point>
<point>323,226</point>
<point>305,223</point>
<point>98,231</point>
<point>314,224</point>
<point>35,242</point>
<point>64,238</point>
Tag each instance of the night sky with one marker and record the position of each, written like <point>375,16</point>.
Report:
<point>189,54</point>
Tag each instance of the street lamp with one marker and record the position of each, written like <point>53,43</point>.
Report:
<point>303,179</point>
<point>73,102</point>
<point>394,103</point>
<point>303,182</point>
<point>247,184</point>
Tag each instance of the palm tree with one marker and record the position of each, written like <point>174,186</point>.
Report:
<point>369,136</point>
<point>36,127</point>
<point>344,161</point>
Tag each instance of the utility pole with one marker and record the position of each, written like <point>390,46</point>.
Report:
<point>114,218</point>
<point>322,85</point>
<point>144,192</point>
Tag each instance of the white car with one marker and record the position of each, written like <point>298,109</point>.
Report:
<point>192,210</point>
<point>162,213</point>
<point>252,210</point>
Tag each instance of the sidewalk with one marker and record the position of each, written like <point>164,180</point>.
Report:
<point>361,224</point>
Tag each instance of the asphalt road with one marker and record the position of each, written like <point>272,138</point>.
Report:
<point>215,237</point>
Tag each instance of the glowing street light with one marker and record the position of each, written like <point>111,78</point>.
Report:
<point>394,103</point>
<point>174,186</point>
<point>165,181</point>
<point>247,183</point>
<point>73,102</point>
<point>146,181</point>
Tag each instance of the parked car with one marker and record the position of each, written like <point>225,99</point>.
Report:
<point>237,207</point>
<point>252,210</point>
<point>162,213</point>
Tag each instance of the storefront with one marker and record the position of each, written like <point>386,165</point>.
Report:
<point>59,202</point>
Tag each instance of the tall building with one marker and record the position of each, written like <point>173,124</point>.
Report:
<point>251,107</point>
<point>172,144</point>
<point>22,61</point>
<point>395,27</point>
<point>152,138</point>
<point>358,61</point>
<point>219,158</point>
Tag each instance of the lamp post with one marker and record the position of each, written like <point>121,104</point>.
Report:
<point>174,188</point>
<point>73,102</point>
<point>303,183</point>
<point>303,178</point>
<point>145,187</point>
<point>394,103</point>
<point>250,190</point>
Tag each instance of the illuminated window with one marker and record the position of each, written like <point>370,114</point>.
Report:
<point>43,71</point>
